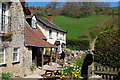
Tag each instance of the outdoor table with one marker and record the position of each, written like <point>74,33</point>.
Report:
<point>53,72</point>
<point>49,70</point>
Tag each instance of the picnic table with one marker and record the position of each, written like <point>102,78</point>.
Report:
<point>52,72</point>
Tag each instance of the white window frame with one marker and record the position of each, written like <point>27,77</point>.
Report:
<point>18,58</point>
<point>3,56</point>
<point>34,24</point>
<point>4,15</point>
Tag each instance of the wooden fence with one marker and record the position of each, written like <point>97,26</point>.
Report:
<point>105,72</point>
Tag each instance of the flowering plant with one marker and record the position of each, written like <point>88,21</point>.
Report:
<point>74,70</point>
<point>71,71</point>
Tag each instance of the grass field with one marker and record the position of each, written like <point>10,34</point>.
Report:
<point>75,26</point>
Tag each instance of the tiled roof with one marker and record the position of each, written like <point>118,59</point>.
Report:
<point>50,25</point>
<point>34,37</point>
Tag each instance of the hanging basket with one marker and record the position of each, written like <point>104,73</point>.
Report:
<point>8,34</point>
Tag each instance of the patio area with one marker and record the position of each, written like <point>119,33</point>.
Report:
<point>38,72</point>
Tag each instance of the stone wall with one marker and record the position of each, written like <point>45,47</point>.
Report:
<point>17,25</point>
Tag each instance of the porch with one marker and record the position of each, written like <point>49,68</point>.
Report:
<point>40,57</point>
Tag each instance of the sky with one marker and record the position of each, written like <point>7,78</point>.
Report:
<point>34,4</point>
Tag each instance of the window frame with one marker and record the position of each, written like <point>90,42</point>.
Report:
<point>18,55</point>
<point>33,24</point>
<point>3,16</point>
<point>3,57</point>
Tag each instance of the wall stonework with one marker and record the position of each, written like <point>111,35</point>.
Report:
<point>18,30</point>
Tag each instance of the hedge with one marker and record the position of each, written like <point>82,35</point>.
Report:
<point>76,44</point>
<point>107,48</point>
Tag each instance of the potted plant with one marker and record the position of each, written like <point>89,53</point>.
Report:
<point>32,68</point>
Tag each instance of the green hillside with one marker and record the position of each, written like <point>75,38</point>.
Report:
<point>75,26</point>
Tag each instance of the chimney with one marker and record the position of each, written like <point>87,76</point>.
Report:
<point>31,10</point>
<point>50,18</point>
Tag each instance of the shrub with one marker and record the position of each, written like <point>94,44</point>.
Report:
<point>79,61</point>
<point>77,44</point>
<point>107,48</point>
<point>6,75</point>
<point>32,67</point>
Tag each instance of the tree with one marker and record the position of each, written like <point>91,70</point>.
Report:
<point>53,8</point>
<point>107,48</point>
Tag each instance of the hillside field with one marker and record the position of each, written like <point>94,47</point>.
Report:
<point>77,26</point>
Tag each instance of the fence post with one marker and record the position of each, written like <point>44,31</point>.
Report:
<point>89,70</point>
<point>115,69</point>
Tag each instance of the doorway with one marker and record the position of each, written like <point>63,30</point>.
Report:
<point>37,56</point>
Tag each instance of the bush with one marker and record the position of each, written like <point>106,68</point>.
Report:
<point>79,61</point>
<point>107,48</point>
<point>6,75</point>
<point>76,44</point>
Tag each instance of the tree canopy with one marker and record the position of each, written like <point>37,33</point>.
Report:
<point>107,48</point>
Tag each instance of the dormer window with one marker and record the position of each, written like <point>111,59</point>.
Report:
<point>33,22</point>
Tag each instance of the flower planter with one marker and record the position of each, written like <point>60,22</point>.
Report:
<point>67,77</point>
<point>8,35</point>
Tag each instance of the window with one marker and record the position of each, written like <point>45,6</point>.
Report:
<point>2,56</point>
<point>57,35</point>
<point>3,17</point>
<point>50,34</point>
<point>63,36</point>
<point>34,24</point>
<point>16,55</point>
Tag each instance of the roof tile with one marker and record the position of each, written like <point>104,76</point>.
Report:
<point>34,37</point>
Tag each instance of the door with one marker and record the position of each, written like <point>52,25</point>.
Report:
<point>37,56</point>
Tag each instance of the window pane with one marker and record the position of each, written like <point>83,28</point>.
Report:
<point>15,56</point>
<point>1,56</point>
<point>1,51</point>
<point>1,61</point>
<point>3,17</point>
<point>15,50</point>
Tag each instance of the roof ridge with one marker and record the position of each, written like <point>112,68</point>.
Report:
<point>49,24</point>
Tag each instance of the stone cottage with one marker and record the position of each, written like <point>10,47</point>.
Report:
<point>22,42</point>
<point>15,57</point>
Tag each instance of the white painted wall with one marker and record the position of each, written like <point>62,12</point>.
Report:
<point>54,38</point>
<point>43,30</point>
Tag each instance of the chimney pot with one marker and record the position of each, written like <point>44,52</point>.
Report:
<point>50,18</point>
<point>31,10</point>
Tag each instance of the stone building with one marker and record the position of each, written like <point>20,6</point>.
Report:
<point>22,42</point>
